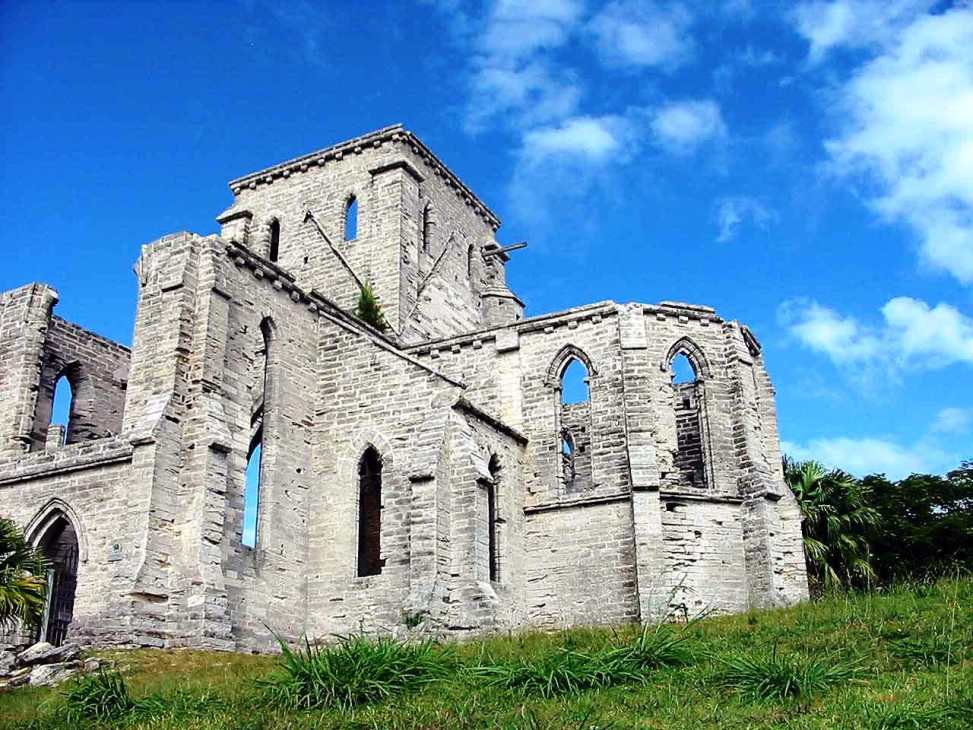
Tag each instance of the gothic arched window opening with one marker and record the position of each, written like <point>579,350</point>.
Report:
<point>687,402</point>
<point>493,541</point>
<point>574,424</point>
<point>274,250</point>
<point>59,544</point>
<point>61,404</point>
<point>370,561</point>
<point>428,224</point>
<point>254,476</point>
<point>351,218</point>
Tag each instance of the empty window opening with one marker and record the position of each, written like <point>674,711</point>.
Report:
<point>427,227</point>
<point>370,561</point>
<point>274,239</point>
<point>61,411</point>
<point>568,452</point>
<point>351,219</point>
<point>682,370</point>
<point>60,546</point>
<point>469,262</point>
<point>688,459</point>
<point>574,383</point>
<point>251,494</point>
<point>253,480</point>
<point>493,542</point>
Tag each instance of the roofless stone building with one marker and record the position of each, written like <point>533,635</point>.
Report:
<point>443,473</point>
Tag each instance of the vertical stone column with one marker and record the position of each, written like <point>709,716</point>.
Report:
<point>761,482</point>
<point>394,260</point>
<point>639,376</point>
<point>24,317</point>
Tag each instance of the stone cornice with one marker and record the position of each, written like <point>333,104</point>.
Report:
<point>465,405</point>
<point>394,134</point>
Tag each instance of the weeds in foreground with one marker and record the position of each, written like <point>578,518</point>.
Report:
<point>566,670</point>
<point>929,650</point>
<point>99,696</point>
<point>785,676</point>
<point>354,671</point>
<point>654,648</point>
<point>911,716</point>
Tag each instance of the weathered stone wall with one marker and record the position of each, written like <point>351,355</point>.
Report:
<point>673,507</point>
<point>96,369</point>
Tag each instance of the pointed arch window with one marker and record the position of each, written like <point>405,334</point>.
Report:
<point>59,544</point>
<point>351,218</point>
<point>688,402</point>
<point>254,476</point>
<point>573,431</point>
<point>470,251</point>
<point>62,403</point>
<point>493,520</point>
<point>274,250</point>
<point>370,561</point>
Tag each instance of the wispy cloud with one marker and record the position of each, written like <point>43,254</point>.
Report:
<point>905,117</point>
<point>853,23</point>
<point>682,126</point>
<point>874,455</point>
<point>641,33</point>
<point>911,336</point>
<point>953,420</point>
<point>732,212</point>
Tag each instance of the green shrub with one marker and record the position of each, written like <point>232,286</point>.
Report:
<point>785,676</point>
<point>354,671</point>
<point>99,696</point>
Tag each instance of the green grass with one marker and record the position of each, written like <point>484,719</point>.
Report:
<point>899,658</point>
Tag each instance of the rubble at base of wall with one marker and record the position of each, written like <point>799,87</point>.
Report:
<point>43,665</point>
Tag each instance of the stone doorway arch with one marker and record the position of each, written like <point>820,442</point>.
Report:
<point>59,543</point>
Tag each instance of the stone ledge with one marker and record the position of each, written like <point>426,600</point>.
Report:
<point>64,460</point>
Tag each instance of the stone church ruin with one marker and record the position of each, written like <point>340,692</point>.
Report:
<point>440,474</point>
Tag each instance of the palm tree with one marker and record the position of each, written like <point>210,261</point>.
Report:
<point>836,515</point>
<point>23,578</point>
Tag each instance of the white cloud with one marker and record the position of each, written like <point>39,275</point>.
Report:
<point>872,455</point>
<point>589,138</point>
<point>853,23</point>
<point>913,335</point>
<point>511,77</point>
<point>906,120</point>
<point>643,33</point>
<point>953,420</point>
<point>732,212</point>
<point>519,28</point>
<point>680,127</point>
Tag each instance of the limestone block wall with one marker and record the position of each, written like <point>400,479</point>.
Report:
<point>581,564</point>
<point>24,318</point>
<point>420,234</point>
<point>96,369</point>
<point>94,485</point>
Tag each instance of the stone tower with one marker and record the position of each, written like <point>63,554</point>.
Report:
<point>435,477</point>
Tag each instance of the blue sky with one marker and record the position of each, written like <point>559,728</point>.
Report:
<point>803,167</point>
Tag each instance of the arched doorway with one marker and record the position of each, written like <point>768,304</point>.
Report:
<point>59,543</point>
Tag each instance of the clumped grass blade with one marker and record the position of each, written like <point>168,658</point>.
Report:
<point>99,696</point>
<point>561,671</point>
<point>929,650</point>
<point>654,648</point>
<point>783,676</point>
<point>354,671</point>
<point>905,716</point>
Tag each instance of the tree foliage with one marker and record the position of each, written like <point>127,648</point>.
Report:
<point>23,577</point>
<point>926,523</point>
<point>837,517</point>
<point>369,310</point>
<point>859,530</point>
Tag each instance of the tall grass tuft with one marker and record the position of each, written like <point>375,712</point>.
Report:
<point>561,671</point>
<point>655,647</point>
<point>99,696</point>
<point>354,671</point>
<point>785,676</point>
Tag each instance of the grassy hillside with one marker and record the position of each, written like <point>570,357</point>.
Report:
<point>898,659</point>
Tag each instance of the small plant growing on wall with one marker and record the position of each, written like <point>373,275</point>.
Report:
<point>369,309</point>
